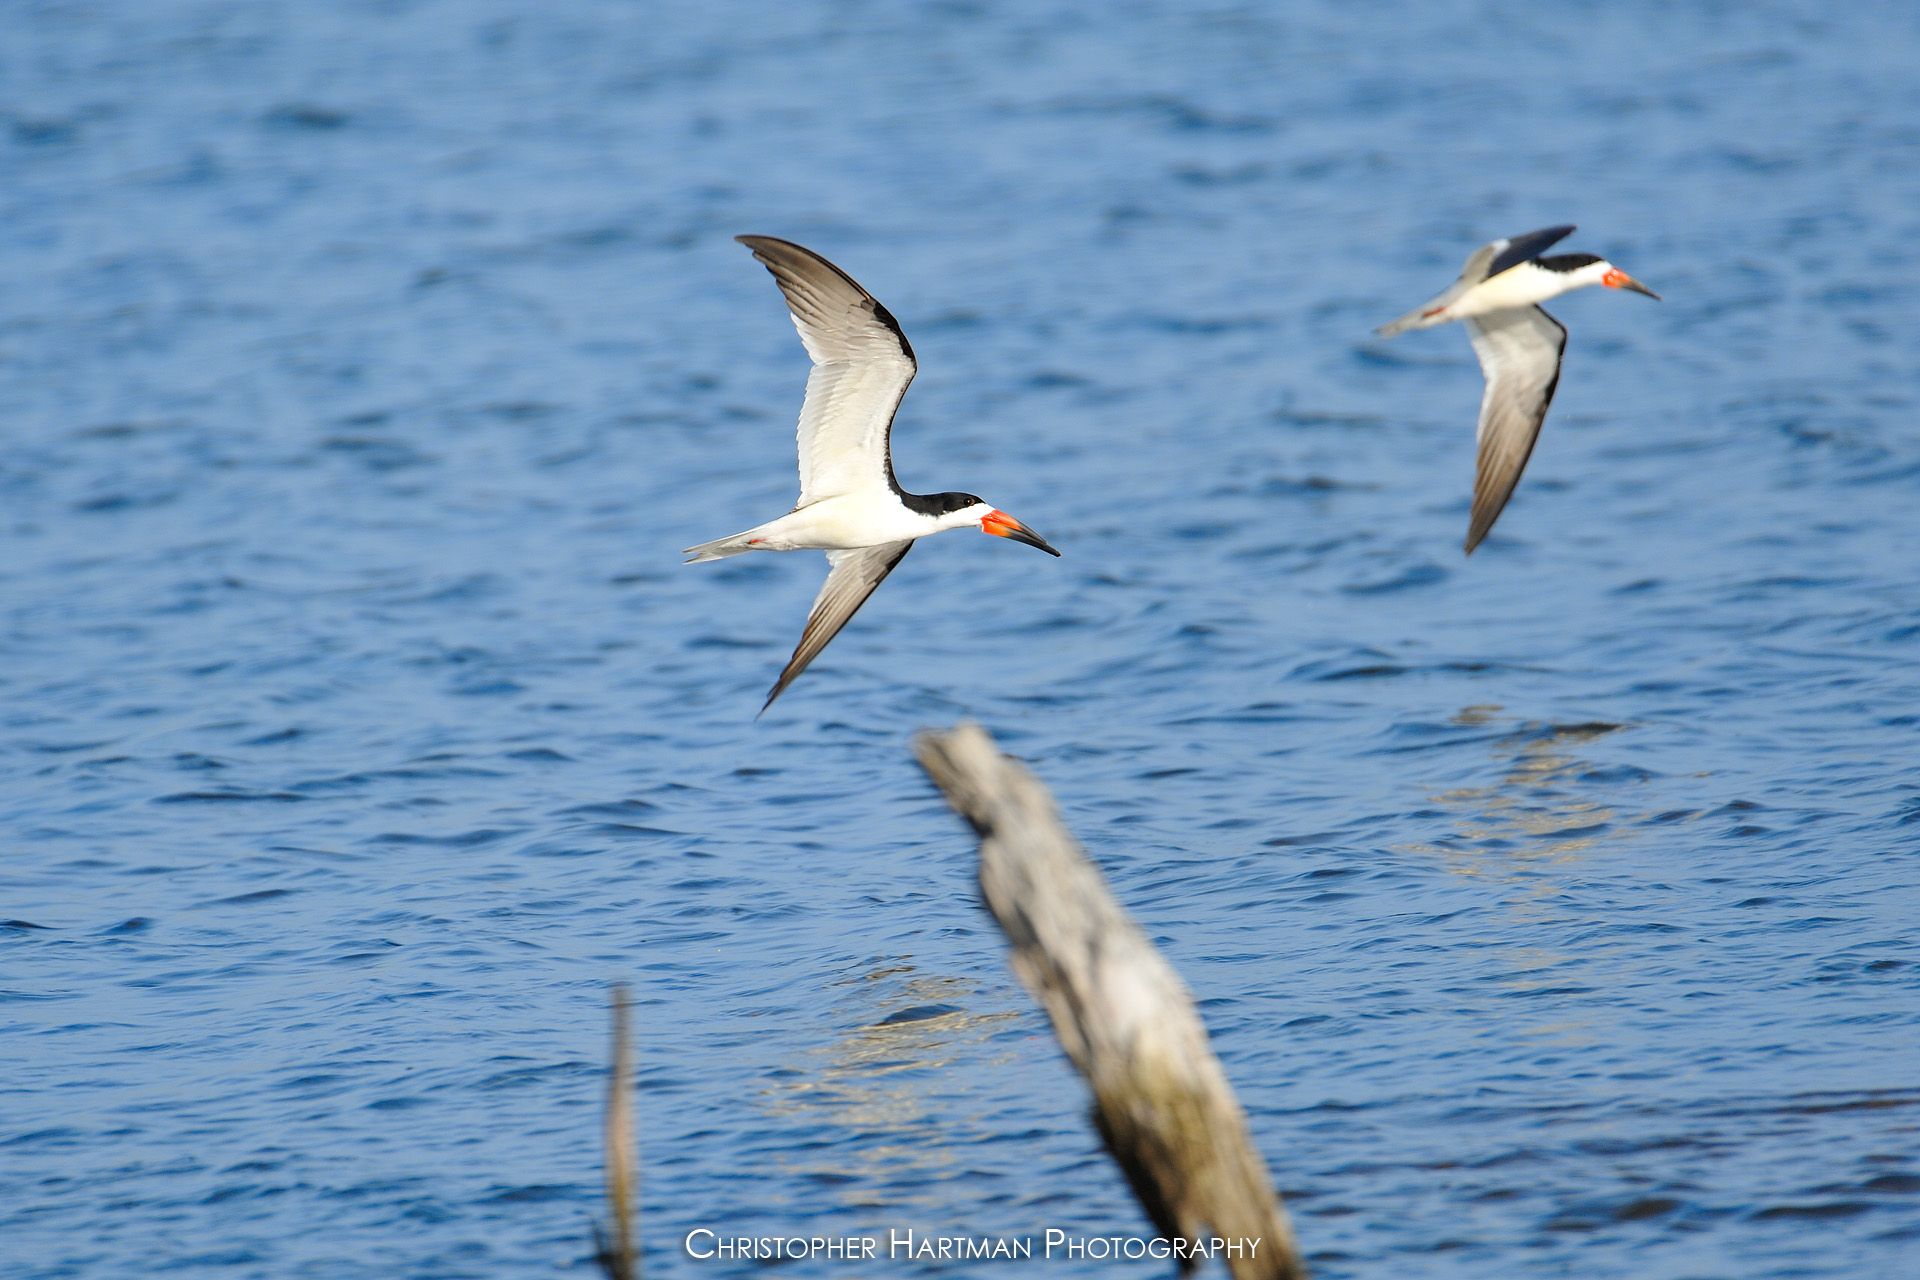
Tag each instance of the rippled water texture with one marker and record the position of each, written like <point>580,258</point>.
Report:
<point>363,367</point>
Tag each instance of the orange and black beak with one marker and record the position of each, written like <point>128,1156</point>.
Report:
<point>1618,279</point>
<point>1002,525</point>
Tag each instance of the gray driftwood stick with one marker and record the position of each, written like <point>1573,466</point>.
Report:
<point>1160,1099</point>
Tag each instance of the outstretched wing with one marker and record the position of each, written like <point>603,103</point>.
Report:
<point>854,576</point>
<point>1522,248</point>
<point>1482,264</point>
<point>862,364</point>
<point>1519,351</point>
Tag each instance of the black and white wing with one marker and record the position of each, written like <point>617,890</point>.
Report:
<point>1519,351</point>
<point>853,578</point>
<point>1482,264</point>
<point>862,364</point>
<point>1511,252</point>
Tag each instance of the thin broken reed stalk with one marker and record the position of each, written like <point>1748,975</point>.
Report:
<point>617,1256</point>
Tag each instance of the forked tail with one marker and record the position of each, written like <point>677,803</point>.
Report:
<point>720,549</point>
<point>1419,318</point>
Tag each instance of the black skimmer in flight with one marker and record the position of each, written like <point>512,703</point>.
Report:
<point>850,507</point>
<point>1497,297</point>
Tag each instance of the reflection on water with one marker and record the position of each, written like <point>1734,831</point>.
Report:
<point>1542,809</point>
<point>1542,812</point>
<point>884,1078</point>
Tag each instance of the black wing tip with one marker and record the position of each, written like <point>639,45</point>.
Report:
<point>1480,526</point>
<point>767,249</point>
<point>779,687</point>
<point>759,246</point>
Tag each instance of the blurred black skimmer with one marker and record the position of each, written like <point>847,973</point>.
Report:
<point>1497,297</point>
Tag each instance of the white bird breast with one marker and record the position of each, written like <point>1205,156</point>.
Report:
<point>852,520</point>
<point>1524,286</point>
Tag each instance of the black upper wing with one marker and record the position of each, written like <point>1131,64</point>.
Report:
<point>1525,248</point>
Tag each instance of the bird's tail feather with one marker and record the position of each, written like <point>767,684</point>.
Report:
<point>1418,318</point>
<point>1401,325</point>
<point>720,548</point>
<point>1428,314</point>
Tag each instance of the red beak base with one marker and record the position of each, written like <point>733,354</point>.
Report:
<point>1618,279</point>
<point>1002,525</point>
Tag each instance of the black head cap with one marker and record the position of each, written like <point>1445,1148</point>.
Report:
<point>1567,262</point>
<point>940,504</point>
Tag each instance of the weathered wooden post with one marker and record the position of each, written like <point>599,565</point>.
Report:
<point>1161,1102</point>
<point>617,1256</point>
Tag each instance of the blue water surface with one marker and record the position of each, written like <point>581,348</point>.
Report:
<point>363,366</point>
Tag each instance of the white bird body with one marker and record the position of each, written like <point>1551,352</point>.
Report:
<point>845,522</point>
<point>1526,285</point>
<point>850,506</point>
<point>1498,297</point>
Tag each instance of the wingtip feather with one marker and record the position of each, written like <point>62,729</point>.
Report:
<point>779,687</point>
